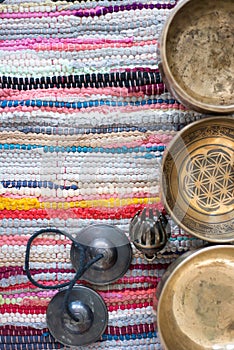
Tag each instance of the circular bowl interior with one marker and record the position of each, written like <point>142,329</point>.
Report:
<point>197,55</point>
<point>195,309</point>
<point>197,179</point>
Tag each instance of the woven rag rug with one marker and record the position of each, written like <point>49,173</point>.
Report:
<point>84,120</point>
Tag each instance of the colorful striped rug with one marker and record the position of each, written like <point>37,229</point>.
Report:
<point>84,121</point>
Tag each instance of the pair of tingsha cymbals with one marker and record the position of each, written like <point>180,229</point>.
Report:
<point>86,305</point>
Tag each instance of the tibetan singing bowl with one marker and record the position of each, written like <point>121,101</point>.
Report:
<point>198,179</point>
<point>197,60</point>
<point>196,306</point>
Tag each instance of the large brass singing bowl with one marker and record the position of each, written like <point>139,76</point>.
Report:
<point>198,179</point>
<point>197,54</point>
<point>196,305</point>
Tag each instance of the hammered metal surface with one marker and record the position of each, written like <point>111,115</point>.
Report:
<point>115,247</point>
<point>88,306</point>
<point>195,309</point>
<point>198,179</point>
<point>197,54</point>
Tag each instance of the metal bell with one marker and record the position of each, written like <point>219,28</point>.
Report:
<point>149,231</point>
<point>90,310</point>
<point>109,241</point>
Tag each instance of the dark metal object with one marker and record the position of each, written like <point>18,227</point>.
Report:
<point>109,241</point>
<point>149,232</point>
<point>86,305</point>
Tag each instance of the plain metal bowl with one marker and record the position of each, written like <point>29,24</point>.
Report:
<point>196,301</point>
<point>197,55</point>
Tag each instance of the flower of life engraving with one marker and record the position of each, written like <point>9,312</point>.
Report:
<point>209,180</point>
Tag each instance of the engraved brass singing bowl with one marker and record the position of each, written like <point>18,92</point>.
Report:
<point>196,49</point>
<point>195,310</point>
<point>149,231</point>
<point>198,179</point>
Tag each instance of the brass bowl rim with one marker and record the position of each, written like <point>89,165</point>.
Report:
<point>178,91</point>
<point>167,207</point>
<point>178,267</point>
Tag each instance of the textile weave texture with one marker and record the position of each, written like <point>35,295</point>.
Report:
<point>84,121</point>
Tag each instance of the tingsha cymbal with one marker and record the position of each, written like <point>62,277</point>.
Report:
<point>109,241</point>
<point>87,306</point>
